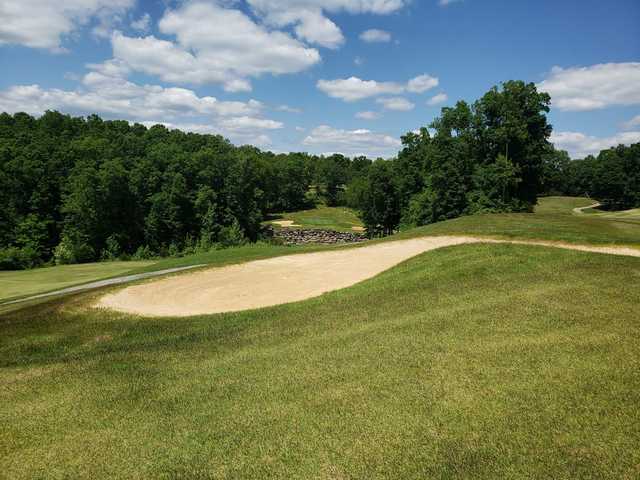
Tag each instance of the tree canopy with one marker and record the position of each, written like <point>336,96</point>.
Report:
<point>80,189</point>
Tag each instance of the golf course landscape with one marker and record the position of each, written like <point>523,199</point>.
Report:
<point>319,240</point>
<point>471,361</point>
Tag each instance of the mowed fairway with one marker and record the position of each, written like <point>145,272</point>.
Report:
<point>29,282</point>
<point>341,219</point>
<point>474,361</point>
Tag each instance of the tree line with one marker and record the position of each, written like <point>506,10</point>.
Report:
<point>83,189</point>
<point>78,189</point>
<point>612,177</point>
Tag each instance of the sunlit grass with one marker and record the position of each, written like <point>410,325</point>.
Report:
<point>477,361</point>
<point>341,219</point>
<point>552,220</point>
<point>29,282</point>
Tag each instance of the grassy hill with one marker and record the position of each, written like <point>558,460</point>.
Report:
<point>476,361</point>
<point>340,219</point>
<point>553,220</point>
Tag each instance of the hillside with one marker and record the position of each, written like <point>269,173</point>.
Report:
<point>470,361</point>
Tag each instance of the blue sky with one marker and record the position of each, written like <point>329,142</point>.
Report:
<point>346,76</point>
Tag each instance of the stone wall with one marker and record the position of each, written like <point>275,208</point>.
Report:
<point>326,237</point>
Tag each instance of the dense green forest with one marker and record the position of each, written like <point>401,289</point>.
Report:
<point>613,177</point>
<point>83,189</point>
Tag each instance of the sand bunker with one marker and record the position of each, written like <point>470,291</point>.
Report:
<point>285,279</point>
<point>285,223</point>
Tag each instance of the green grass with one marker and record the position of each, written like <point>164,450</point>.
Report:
<point>17,284</point>
<point>553,220</point>
<point>341,219</point>
<point>633,214</point>
<point>561,205</point>
<point>31,282</point>
<point>478,361</point>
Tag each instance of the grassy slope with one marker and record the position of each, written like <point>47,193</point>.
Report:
<point>479,361</point>
<point>341,219</point>
<point>30,282</point>
<point>553,220</point>
<point>469,362</point>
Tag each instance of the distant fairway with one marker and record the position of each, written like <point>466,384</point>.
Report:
<point>340,219</point>
<point>553,220</point>
<point>474,361</point>
<point>28,282</point>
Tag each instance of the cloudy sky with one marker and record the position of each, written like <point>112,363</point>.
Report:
<point>322,76</point>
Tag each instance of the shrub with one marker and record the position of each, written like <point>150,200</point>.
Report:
<point>112,251</point>
<point>15,258</point>
<point>71,250</point>
<point>143,253</point>
<point>174,250</point>
<point>232,236</point>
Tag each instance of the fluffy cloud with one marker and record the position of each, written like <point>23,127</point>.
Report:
<point>437,99</point>
<point>123,99</point>
<point>353,89</point>
<point>326,139</point>
<point>368,115</point>
<point>104,91</point>
<point>594,87</point>
<point>238,50</point>
<point>422,83</point>
<point>309,19</point>
<point>399,104</point>
<point>631,124</point>
<point>288,109</point>
<point>143,24</point>
<point>44,23</point>
<point>375,36</point>
<point>580,145</point>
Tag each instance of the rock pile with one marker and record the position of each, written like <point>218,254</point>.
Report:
<point>327,237</point>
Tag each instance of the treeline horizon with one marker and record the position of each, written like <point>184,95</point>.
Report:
<point>76,189</point>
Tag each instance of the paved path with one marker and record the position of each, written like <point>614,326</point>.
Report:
<point>100,283</point>
<point>580,210</point>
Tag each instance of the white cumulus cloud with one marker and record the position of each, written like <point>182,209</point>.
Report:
<point>398,104</point>
<point>580,145</point>
<point>368,115</point>
<point>353,88</point>
<point>45,23</point>
<point>375,36</point>
<point>105,92</point>
<point>422,83</point>
<point>142,24</point>
<point>325,139</point>
<point>593,87</point>
<point>437,99</point>
<point>238,50</point>
<point>632,123</point>
<point>310,20</point>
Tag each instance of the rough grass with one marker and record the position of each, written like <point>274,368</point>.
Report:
<point>553,220</point>
<point>477,361</point>
<point>341,219</point>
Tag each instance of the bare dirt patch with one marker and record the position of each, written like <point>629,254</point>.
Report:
<point>288,278</point>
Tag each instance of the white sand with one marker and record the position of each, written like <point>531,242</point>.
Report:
<point>285,279</point>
